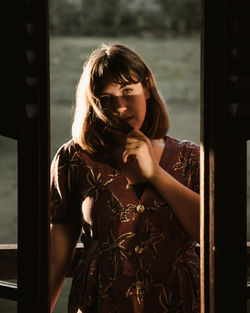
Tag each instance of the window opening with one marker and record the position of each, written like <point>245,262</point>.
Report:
<point>8,190</point>
<point>172,53</point>
<point>8,208</point>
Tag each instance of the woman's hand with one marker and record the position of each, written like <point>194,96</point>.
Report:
<point>138,146</point>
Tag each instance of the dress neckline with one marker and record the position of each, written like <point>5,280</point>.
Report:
<point>139,188</point>
<point>109,161</point>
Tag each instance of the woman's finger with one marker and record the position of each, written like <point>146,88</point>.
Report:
<point>127,153</point>
<point>125,156</point>
<point>130,150</point>
<point>132,145</point>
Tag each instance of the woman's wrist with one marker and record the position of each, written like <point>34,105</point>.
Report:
<point>154,175</point>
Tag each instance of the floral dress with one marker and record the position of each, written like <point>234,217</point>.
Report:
<point>137,256</point>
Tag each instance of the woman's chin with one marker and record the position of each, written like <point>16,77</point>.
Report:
<point>134,125</point>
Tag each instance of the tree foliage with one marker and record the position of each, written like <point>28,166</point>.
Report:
<point>116,17</point>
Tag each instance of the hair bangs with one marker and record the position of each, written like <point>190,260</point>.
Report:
<point>113,71</point>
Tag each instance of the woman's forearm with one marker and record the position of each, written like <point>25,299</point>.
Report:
<point>63,240</point>
<point>57,275</point>
<point>183,201</point>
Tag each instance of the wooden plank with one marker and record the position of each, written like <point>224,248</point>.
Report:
<point>8,249</point>
<point>8,262</point>
<point>8,290</point>
<point>8,254</point>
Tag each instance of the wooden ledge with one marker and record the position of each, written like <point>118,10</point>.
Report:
<point>9,252</point>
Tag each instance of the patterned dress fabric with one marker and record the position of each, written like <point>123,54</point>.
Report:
<point>137,256</point>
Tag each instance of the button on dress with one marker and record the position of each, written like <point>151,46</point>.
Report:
<point>137,257</point>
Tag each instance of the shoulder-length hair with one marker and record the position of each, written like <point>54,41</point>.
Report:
<point>113,64</point>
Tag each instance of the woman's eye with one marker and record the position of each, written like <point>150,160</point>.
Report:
<point>127,90</point>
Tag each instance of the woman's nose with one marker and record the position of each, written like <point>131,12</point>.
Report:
<point>120,104</point>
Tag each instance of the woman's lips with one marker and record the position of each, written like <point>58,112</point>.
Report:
<point>127,118</point>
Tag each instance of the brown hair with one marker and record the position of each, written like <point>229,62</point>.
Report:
<point>113,64</point>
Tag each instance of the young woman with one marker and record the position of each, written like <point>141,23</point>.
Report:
<point>132,191</point>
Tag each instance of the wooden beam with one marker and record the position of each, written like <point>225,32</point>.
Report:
<point>8,255</point>
<point>225,127</point>
<point>34,163</point>
<point>8,290</point>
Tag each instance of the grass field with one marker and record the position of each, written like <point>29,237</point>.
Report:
<point>176,65</point>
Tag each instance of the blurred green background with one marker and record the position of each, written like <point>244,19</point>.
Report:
<point>164,32</point>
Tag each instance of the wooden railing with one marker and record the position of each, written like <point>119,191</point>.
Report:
<point>8,264</point>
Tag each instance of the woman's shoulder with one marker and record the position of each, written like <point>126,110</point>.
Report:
<point>69,148</point>
<point>65,150</point>
<point>178,149</point>
<point>184,161</point>
<point>182,144</point>
<point>72,153</point>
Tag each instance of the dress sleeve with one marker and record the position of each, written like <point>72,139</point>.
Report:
<point>193,156</point>
<point>63,207</point>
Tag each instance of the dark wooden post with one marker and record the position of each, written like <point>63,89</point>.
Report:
<point>24,116</point>
<point>33,166</point>
<point>225,127</point>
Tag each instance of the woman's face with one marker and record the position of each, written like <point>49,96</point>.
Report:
<point>126,102</point>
